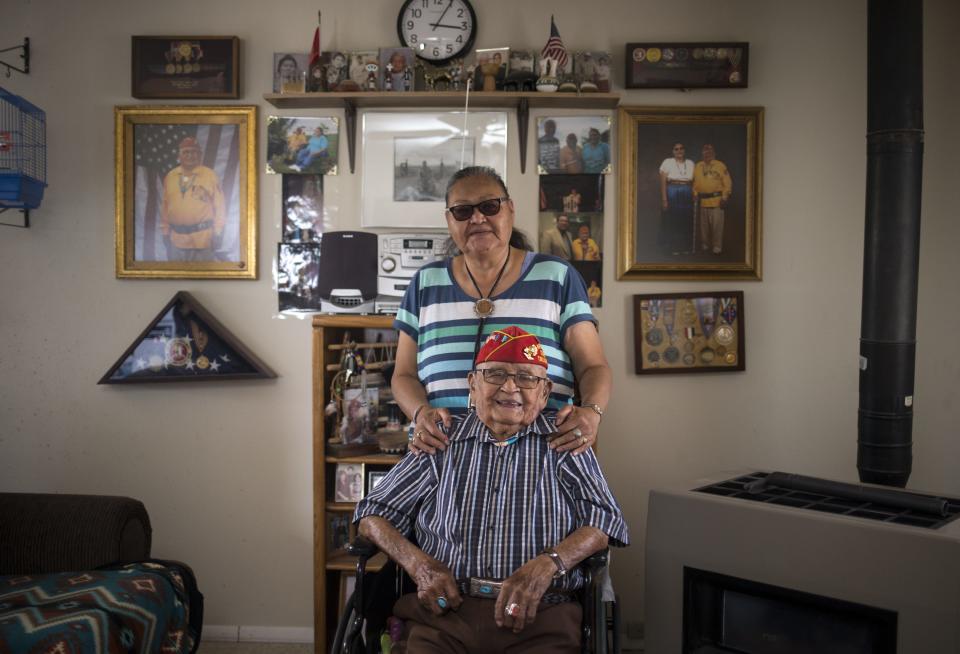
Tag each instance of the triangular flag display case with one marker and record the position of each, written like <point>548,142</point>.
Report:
<point>185,343</point>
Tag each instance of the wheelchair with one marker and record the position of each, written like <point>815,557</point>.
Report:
<point>366,612</point>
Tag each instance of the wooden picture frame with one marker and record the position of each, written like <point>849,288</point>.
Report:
<point>686,65</point>
<point>185,67</point>
<point>663,230</point>
<point>175,224</point>
<point>348,482</point>
<point>689,332</point>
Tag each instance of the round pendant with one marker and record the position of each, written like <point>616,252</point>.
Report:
<point>654,337</point>
<point>203,362</point>
<point>724,335</point>
<point>671,354</point>
<point>483,307</point>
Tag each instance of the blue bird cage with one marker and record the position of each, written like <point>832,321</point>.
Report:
<point>23,153</point>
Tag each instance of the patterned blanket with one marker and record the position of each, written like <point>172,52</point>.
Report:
<point>141,607</point>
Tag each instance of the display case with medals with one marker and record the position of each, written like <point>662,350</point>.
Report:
<point>686,65</point>
<point>689,332</point>
<point>185,67</point>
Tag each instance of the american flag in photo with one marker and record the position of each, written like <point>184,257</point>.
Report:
<point>554,48</point>
<point>156,153</point>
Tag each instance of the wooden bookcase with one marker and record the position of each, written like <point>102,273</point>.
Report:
<point>328,334</point>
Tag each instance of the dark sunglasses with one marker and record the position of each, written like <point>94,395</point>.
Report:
<point>488,208</point>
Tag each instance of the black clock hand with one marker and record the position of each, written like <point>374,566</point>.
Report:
<point>452,27</point>
<point>437,24</point>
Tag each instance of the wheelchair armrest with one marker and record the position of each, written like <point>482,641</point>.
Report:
<point>596,561</point>
<point>363,548</point>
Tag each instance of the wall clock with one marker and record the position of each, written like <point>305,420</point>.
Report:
<point>437,30</point>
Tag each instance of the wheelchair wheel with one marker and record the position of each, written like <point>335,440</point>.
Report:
<point>348,639</point>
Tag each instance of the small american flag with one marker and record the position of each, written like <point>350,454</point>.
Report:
<point>554,48</point>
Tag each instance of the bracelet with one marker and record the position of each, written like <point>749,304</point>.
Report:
<point>417,412</point>
<point>557,561</point>
<point>595,407</point>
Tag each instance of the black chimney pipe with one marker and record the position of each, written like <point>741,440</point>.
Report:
<point>892,240</point>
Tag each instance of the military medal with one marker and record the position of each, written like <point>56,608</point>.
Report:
<point>688,315</point>
<point>721,351</point>
<point>688,346</point>
<point>671,354</point>
<point>177,351</point>
<point>654,337</point>
<point>730,357</point>
<point>203,362</point>
<point>688,360</point>
<point>707,311</point>
<point>728,313</point>
<point>669,316</point>
<point>706,355</point>
<point>653,357</point>
<point>724,335</point>
<point>653,310</point>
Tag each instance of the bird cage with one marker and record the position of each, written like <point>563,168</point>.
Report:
<point>23,153</point>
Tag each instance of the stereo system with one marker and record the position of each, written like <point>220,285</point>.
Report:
<point>361,272</point>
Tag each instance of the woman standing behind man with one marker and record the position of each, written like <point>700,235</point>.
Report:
<point>451,307</point>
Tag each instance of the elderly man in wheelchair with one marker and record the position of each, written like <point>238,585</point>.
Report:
<point>500,519</point>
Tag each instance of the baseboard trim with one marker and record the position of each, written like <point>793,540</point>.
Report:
<point>256,634</point>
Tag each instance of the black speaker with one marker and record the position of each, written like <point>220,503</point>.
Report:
<point>347,282</point>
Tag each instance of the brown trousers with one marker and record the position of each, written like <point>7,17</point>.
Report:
<point>472,630</point>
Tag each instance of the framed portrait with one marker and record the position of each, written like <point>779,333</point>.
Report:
<point>338,532</point>
<point>185,67</point>
<point>686,65</point>
<point>397,69</point>
<point>592,71</point>
<point>575,237</point>
<point>302,146</point>
<point>363,71</point>
<point>690,193</point>
<point>303,217</point>
<point>290,72</point>
<point>348,483</point>
<point>419,152</point>
<point>688,332</point>
<point>571,145</point>
<point>571,193</point>
<point>186,192</point>
<point>374,478</point>
<point>491,70</point>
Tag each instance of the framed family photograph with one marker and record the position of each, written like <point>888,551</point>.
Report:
<point>348,482</point>
<point>686,65</point>
<point>409,157</point>
<point>688,332</point>
<point>690,193</point>
<point>302,146</point>
<point>571,145</point>
<point>185,67</point>
<point>186,192</point>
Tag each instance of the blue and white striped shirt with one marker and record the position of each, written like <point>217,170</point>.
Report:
<point>484,511</point>
<point>547,300</point>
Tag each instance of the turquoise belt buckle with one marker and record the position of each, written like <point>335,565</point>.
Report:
<point>484,588</point>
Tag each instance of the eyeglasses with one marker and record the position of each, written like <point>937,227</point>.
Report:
<point>488,208</point>
<point>498,377</point>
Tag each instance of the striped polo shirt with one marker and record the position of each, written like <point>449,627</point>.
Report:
<point>484,511</point>
<point>547,300</point>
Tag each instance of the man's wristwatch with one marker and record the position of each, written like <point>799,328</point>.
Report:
<point>557,561</point>
<point>595,407</point>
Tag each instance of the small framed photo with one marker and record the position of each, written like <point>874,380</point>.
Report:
<point>571,145</point>
<point>571,193</point>
<point>521,71</point>
<point>348,484</point>
<point>592,71</point>
<point>338,532</point>
<point>689,332</point>
<point>185,67</point>
<point>186,190</point>
<point>686,65</point>
<point>364,67</point>
<point>290,72</point>
<point>491,71</point>
<point>397,69</point>
<point>328,73</point>
<point>302,146</point>
<point>374,478</point>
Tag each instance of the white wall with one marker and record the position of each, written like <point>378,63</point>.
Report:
<point>225,469</point>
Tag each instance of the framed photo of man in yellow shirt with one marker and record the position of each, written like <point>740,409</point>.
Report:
<point>186,192</point>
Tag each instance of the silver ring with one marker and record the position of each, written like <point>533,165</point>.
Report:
<point>418,434</point>
<point>578,432</point>
<point>513,609</point>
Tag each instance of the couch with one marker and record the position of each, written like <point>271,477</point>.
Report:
<point>76,575</point>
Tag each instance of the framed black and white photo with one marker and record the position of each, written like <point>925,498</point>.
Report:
<point>298,270</point>
<point>303,217</point>
<point>417,153</point>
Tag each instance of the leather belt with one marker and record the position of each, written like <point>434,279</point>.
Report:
<point>715,194</point>
<point>190,229</point>
<point>490,589</point>
<point>681,182</point>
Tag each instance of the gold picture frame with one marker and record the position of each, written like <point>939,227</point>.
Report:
<point>663,230</point>
<point>178,222</point>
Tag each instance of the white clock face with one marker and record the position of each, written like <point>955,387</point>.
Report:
<point>437,30</point>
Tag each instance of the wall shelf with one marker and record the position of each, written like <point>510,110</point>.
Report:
<point>521,101</point>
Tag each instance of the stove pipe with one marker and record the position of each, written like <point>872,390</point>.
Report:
<point>891,241</point>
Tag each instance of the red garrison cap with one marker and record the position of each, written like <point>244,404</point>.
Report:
<point>189,142</point>
<point>512,345</point>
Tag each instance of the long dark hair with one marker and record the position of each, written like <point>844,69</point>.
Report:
<point>518,239</point>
